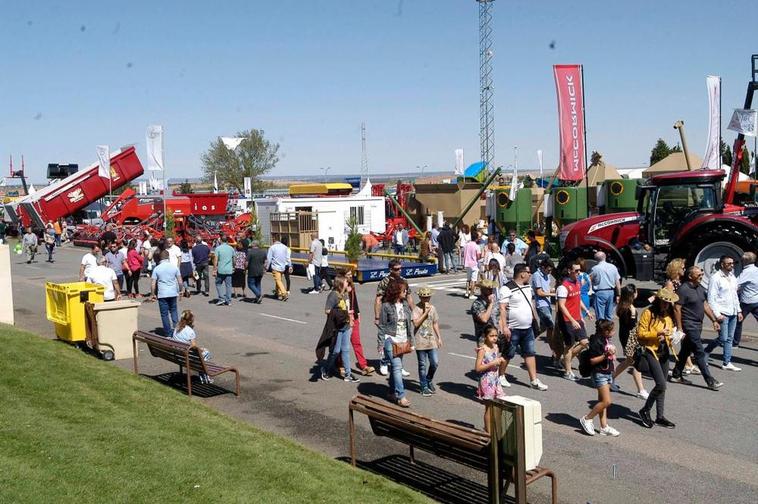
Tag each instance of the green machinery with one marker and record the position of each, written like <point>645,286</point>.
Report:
<point>620,195</point>
<point>569,204</point>
<point>516,214</point>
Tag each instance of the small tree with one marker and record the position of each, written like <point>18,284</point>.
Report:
<point>353,242</point>
<point>726,154</point>
<point>255,227</point>
<point>660,151</point>
<point>185,187</point>
<point>254,157</point>
<point>170,223</point>
<point>745,162</point>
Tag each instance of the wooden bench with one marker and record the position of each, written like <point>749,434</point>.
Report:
<point>469,447</point>
<point>186,356</point>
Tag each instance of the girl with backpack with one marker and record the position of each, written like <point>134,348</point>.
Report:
<point>598,360</point>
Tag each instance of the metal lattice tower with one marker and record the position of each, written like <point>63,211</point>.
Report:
<point>486,105</point>
<point>364,156</point>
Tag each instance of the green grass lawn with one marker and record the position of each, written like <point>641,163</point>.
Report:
<point>75,429</point>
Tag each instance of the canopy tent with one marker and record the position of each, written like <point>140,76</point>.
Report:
<point>599,171</point>
<point>672,163</point>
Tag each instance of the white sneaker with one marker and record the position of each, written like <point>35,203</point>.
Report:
<point>472,296</point>
<point>503,381</point>
<point>587,425</point>
<point>405,373</point>
<point>314,291</point>
<point>609,431</point>
<point>537,384</point>
<point>570,376</point>
<point>730,367</point>
<point>383,370</point>
<point>643,394</point>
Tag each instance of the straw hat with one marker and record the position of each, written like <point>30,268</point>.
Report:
<point>424,291</point>
<point>667,295</point>
<point>487,284</point>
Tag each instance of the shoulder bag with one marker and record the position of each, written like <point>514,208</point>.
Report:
<point>535,317</point>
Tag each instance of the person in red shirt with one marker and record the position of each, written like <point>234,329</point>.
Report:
<point>571,307</point>
<point>370,243</point>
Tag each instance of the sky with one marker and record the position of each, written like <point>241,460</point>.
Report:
<point>308,72</point>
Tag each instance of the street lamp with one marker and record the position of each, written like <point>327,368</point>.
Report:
<point>422,168</point>
<point>325,170</point>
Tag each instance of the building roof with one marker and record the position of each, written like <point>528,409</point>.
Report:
<point>674,162</point>
<point>600,171</point>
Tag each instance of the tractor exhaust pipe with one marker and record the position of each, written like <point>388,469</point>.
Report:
<point>679,125</point>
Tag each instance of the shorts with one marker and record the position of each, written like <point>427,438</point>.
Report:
<point>472,274</point>
<point>571,335</point>
<point>600,379</point>
<point>545,313</point>
<point>523,338</point>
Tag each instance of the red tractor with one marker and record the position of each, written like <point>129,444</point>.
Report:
<point>682,214</point>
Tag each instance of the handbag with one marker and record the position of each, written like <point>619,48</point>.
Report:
<point>399,349</point>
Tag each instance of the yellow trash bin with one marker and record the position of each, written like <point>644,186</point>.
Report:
<point>65,307</point>
<point>116,322</point>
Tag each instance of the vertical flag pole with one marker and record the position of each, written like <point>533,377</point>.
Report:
<point>584,121</point>
<point>165,187</point>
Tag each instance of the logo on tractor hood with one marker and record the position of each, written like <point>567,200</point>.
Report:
<point>612,222</point>
<point>75,195</point>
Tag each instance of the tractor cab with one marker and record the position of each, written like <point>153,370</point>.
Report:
<point>668,202</point>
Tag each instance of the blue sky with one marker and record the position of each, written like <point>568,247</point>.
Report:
<point>77,74</point>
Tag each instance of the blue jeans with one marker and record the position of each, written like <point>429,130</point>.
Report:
<point>224,294</point>
<point>341,347</point>
<point>747,309</point>
<point>449,263</point>
<point>396,374</point>
<point>167,307</point>
<point>317,278</point>
<point>399,249</point>
<point>254,284</point>
<point>426,358</point>
<point>726,335</point>
<point>604,301</point>
<point>521,339</point>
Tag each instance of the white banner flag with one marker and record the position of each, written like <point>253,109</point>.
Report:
<point>215,183</point>
<point>514,185</point>
<point>712,158</point>
<point>154,141</point>
<point>103,161</point>
<point>248,191</point>
<point>744,121</point>
<point>539,160</point>
<point>232,143</point>
<point>459,162</point>
<point>155,184</point>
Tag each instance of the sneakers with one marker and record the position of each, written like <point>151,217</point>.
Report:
<point>425,392</point>
<point>663,422</point>
<point>472,296</point>
<point>351,379</point>
<point>404,372</point>
<point>645,418</point>
<point>431,387</point>
<point>537,384</point>
<point>570,376</point>
<point>609,431</point>
<point>730,367</point>
<point>680,379</point>
<point>383,370</point>
<point>643,394</point>
<point>325,374</point>
<point>587,425</point>
<point>314,291</point>
<point>615,387</point>
<point>714,384</point>
<point>503,381</point>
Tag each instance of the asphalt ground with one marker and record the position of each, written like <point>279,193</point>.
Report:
<point>711,456</point>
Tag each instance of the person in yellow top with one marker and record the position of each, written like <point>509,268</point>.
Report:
<point>654,330</point>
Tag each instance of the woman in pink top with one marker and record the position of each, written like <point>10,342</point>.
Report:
<point>134,261</point>
<point>471,256</point>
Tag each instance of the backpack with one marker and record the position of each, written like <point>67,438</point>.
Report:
<point>585,368</point>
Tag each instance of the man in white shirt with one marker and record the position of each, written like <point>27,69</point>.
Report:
<point>103,275</point>
<point>747,288</point>
<point>89,261</point>
<point>174,252</point>
<point>314,257</point>
<point>516,316</point>
<point>725,303</point>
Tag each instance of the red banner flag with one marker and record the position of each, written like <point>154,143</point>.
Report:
<point>568,84</point>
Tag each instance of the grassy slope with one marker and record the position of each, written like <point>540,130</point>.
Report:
<point>73,428</point>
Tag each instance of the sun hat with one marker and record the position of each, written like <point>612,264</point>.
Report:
<point>667,295</point>
<point>487,284</point>
<point>424,291</point>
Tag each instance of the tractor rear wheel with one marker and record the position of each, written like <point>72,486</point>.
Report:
<point>708,258</point>
<point>723,239</point>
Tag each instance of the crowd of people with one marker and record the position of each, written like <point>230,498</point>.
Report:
<point>517,296</point>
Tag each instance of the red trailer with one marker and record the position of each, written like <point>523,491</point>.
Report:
<point>75,192</point>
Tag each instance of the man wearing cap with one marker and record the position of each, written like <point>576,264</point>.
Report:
<point>486,310</point>
<point>515,322</point>
<point>570,308</point>
<point>606,282</point>
<point>428,340</point>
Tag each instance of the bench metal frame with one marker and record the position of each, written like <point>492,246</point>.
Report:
<point>470,447</point>
<point>184,355</point>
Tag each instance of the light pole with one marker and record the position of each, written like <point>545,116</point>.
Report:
<point>325,170</point>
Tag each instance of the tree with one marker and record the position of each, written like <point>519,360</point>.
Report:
<point>660,151</point>
<point>254,157</point>
<point>745,162</point>
<point>185,187</point>
<point>170,223</point>
<point>726,154</point>
<point>353,241</point>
